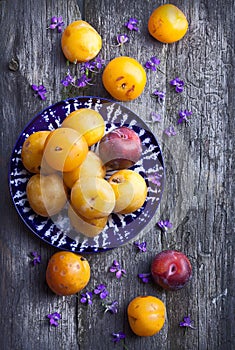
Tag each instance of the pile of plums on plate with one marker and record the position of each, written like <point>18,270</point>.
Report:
<point>66,171</point>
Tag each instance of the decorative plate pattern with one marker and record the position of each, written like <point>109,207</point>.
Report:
<point>120,228</point>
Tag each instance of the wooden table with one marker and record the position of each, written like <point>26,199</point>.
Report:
<point>198,197</point>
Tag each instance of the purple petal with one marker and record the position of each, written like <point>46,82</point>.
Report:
<point>179,89</point>
<point>119,274</point>
<point>156,117</point>
<point>34,87</point>
<point>155,60</point>
<point>53,26</point>
<point>54,19</point>
<point>83,300</point>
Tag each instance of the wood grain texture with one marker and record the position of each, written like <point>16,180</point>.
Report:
<point>199,190</point>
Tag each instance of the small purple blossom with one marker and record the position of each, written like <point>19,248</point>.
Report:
<point>54,318</point>
<point>145,277</point>
<point>179,84</point>
<point>98,62</point>
<point>164,225</point>
<point>86,67</point>
<point>40,91</point>
<point>117,269</point>
<point>122,39</point>
<point>57,22</point>
<point>187,323</point>
<point>170,131</point>
<point>141,246</point>
<point>83,81</point>
<point>155,179</point>
<point>36,258</point>
<point>155,117</point>
<point>86,298</point>
<point>152,63</point>
<point>92,66</point>
<point>111,307</point>
<point>101,291</point>
<point>160,95</point>
<point>68,80</point>
<point>118,336</point>
<point>183,116</point>
<point>132,24</point>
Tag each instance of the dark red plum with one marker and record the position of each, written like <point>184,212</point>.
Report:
<point>171,269</point>
<point>120,148</point>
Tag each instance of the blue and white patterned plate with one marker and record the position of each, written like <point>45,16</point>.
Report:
<point>120,228</point>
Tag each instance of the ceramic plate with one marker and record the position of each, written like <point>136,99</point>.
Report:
<point>120,229</point>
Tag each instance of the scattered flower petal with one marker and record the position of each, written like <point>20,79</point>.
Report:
<point>145,277</point>
<point>83,81</point>
<point>164,225</point>
<point>122,39</point>
<point>54,318</point>
<point>155,179</point>
<point>40,91</point>
<point>57,22</point>
<point>101,291</point>
<point>132,24</point>
<point>187,323</point>
<point>170,131</point>
<point>159,94</point>
<point>68,80</point>
<point>141,246</point>
<point>92,66</point>
<point>183,116</point>
<point>117,269</point>
<point>179,84</point>
<point>98,62</point>
<point>111,307</point>
<point>118,336</point>
<point>156,117</point>
<point>152,63</point>
<point>36,258</point>
<point>86,298</point>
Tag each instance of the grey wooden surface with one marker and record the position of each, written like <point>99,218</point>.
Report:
<point>199,191</point>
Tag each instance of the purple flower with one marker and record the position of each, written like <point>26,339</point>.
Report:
<point>86,298</point>
<point>40,91</point>
<point>111,307</point>
<point>117,269</point>
<point>92,66</point>
<point>187,322</point>
<point>155,179</point>
<point>164,225</point>
<point>36,258</point>
<point>183,116</point>
<point>86,67</point>
<point>170,131</point>
<point>155,117</point>
<point>101,291</point>
<point>152,63</point>
<point>179,84</point>
<point>98,62</point>
<point>68,80</point>
<point>83,81</point>
<point>57,22</point>
<point>141,246</point>
<point>132,24</point>
<point>145,277</point>
<point>54,318</point>
<point>159,94</point>
<point>122,39</point>
<point>118,336</point>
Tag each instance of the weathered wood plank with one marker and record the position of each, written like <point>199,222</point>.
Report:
<point>198,196</point>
